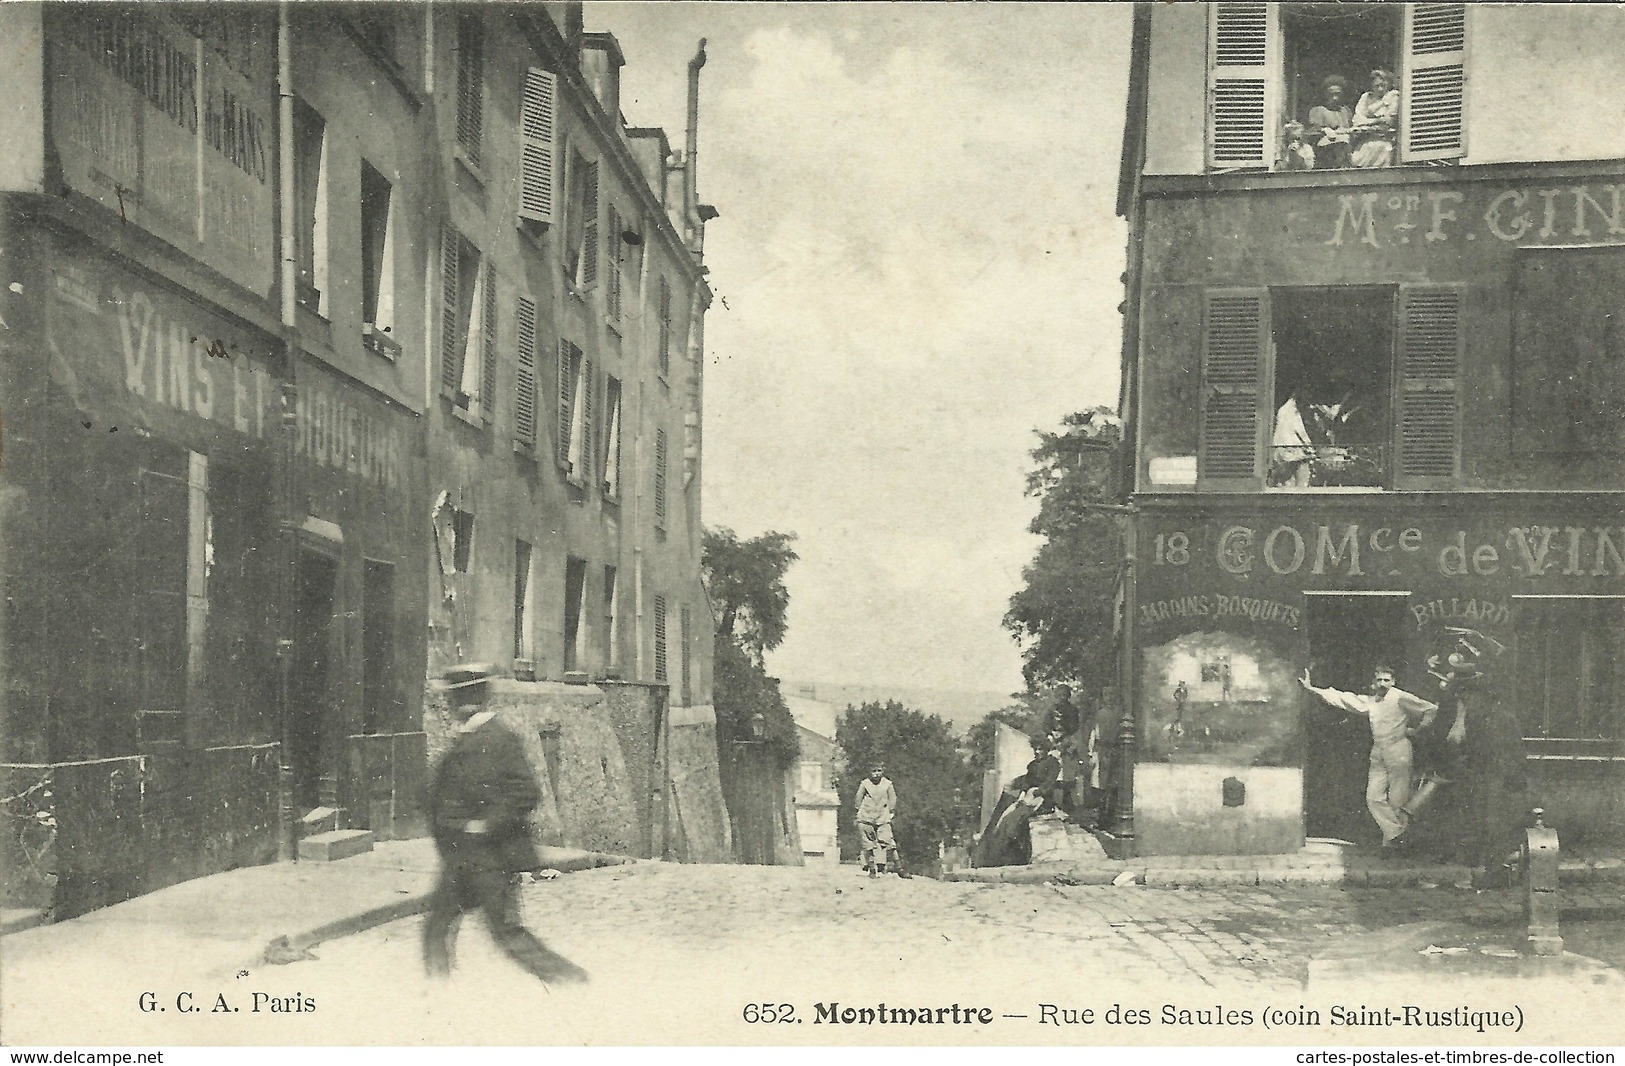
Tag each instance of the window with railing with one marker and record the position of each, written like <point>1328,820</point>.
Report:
<point>1335,86</point>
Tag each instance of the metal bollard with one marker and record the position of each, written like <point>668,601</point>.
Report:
<point>1541,903</point>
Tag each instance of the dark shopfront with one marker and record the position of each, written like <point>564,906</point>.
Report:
<point>1235,599</point>
<point>144,580</point>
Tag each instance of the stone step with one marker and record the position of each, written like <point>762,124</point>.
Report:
<point>335,845</point>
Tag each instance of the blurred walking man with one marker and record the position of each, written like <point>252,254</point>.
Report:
<point>479,808</point>
<point>1390,712</point>
<point>877,804</point>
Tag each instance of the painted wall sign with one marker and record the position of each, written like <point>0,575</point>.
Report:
<point>1567,213</point>
<point>125,348</point>
<point>167,120</point>
<point>1569,546</point>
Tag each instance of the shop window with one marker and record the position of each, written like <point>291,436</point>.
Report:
<point>612,439</point>
<point>575,581</point>
<point>1326,359</point>
<point>1569,674</point>
<point>468,327</point>
<point>310,204</point>
<point>1569,347</point>
<point>378,702</point>
<point>377,264</point>
<point>575,413</point>
<point>1334,86</point>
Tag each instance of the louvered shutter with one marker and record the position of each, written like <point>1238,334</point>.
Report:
<point>1235,338</point>
<point>660,478</point>
<point>1430,348</point>
<point>537,146</point>
<point>589,227</point>
<point>470,84</point>
<point>1430,113</point>
<point>586,383</point>
<point>613,254</point>
<point>566,398</point>
<point>664,353</point>
<point>524,404</point>
<point>1241,85</point>
<point>660,638</point>
<point>488,347</point>
<point>451,243</point>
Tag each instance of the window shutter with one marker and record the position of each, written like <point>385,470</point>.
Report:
<point>450,268</point>
<point>524,406</point>
<point>488,346</point>
<point>660,638</point>
<point>566,396</point>
<point>1430,113</point>
<point>1235,338</point>
<point>470,84</point>
<point>586,383</point>
<point>613,254</point>
<point>1430,344</point>
<point>538,149</point>
<point>665,327</point>
<point>660,478</point>
<point>1241,85</point>
<point>589,228</point>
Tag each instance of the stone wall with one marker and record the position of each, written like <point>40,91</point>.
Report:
<point>699,828</point>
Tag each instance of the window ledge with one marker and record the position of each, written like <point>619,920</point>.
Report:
<point>466,162</point>
<point>465,414</point>
<point>524,450</point>
<point>379,342</point>
<point>614,326</point>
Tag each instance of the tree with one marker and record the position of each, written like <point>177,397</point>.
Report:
<point>1065,612</point>
<point>745,579</point>
<point>936,791</point>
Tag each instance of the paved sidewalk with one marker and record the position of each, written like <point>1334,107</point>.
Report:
<point>222,923</point>
<point>1316,863</point>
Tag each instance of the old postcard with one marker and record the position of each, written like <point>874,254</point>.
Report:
<point>948,525</point>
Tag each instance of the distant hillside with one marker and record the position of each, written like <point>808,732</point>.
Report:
<point>963,708</point>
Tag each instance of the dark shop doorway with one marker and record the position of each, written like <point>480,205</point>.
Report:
<point>1348,636</point>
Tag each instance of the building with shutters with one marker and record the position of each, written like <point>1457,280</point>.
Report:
<point>213,490</point>
<point>308,395</point>
<point>1375,412</point>
<point>563,425</point>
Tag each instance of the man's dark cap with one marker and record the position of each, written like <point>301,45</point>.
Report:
<point>464,675</point>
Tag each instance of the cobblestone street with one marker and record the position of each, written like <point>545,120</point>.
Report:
<point>677,951</point>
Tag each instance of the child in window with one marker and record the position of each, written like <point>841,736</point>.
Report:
<point>1298,155</point>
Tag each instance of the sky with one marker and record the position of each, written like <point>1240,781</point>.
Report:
<point>916,265</point>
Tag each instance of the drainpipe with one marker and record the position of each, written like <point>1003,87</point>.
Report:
<point>287,426</point>
<point>691,146</point>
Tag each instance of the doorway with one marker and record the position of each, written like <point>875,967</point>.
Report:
<point>311,726</point>
<point>1348,635</point>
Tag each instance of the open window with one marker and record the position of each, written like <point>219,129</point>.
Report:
<point>576,409</point>
<point>575,587</point>
<point>468,342</point>
<point>1323,86</point>
<point>377,264</point>
<point>612,657</point>
<point>612,439</point>
<point>1330,387</point>
<point>310,206</point>
<point>581,228</point>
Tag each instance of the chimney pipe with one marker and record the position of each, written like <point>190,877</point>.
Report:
<point>691,158</point>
